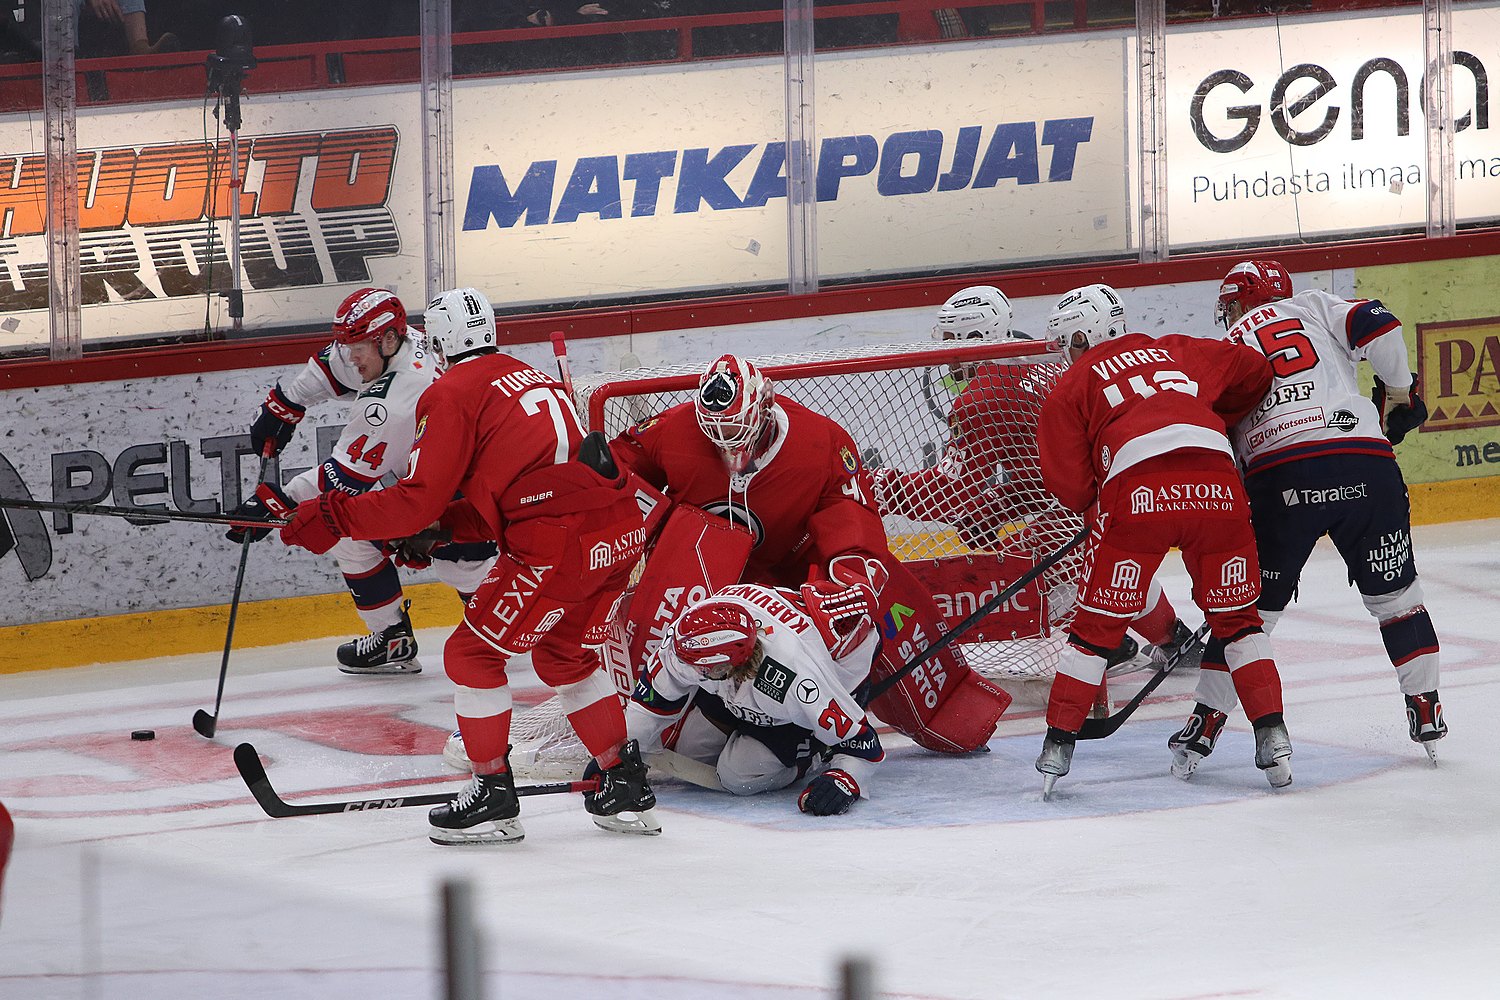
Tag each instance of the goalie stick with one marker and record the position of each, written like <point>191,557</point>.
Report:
<point>204,724</point>
<point>1097,729</point>
<point>254,772</point>
<point>228,520</point>
<point>1047,562</point>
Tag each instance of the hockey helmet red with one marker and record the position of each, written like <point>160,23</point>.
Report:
<point>1249,284</point>
<point>366,314</point>
<point>733,407</point>
<point>715,637</point>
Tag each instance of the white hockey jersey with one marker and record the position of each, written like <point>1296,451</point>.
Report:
<point>1314,342</point>
<point>798,682</point>
<point>377,435</point>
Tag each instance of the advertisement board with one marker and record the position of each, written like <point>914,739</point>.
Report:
<point>674,178</point>
<point>1306,127</point>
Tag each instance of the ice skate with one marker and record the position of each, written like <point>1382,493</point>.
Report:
<point>1126,658</point>
<point>392,650</point>
<point>1182,641</point>
<point>487,811</point>
<point>624,802</point>
<point>1195,740</point>
<point>1055,759</point>
<point>454,754</point>
<point>1273,753</point>
<point>1424,718</point>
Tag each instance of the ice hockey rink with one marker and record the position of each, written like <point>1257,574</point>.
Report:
<point>145,870</point>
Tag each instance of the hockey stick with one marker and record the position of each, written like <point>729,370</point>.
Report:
<point>1047,562</point>
<point>254,773</point>
<point>560,349</point>
<point>228,520</point>
<point>1097,729</point>
<point>203,723</point>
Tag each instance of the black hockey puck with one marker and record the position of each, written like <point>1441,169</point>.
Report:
<point>143,734</point>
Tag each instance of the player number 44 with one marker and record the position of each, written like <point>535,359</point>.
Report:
<point>1167,380</point>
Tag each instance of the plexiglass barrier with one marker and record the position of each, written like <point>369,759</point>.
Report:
<point>562,155</point>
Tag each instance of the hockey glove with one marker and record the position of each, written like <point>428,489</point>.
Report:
<point>415,551</point>
<point>313,526</point>
<point>829,794</point>
<point>1397,418</point>
<point>844,616</point>
<point>277,421</point>
<point>269,501</point>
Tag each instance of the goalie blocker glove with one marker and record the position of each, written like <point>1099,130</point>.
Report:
<point>276,423</point>
<point>829,794</point>
<point>1401,419</point>
<point>269,501</point>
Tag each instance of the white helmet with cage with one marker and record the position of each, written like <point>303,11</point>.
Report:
<point>979,312</point>
<point>733,406</point>
<point>1093,310</point>
<point>460,322</point>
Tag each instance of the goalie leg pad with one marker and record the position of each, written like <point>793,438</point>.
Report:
<point>942,705</point>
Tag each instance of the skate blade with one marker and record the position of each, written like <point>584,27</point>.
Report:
<point>1048,782</point>
<point>384,669</point>
<point>643,823</point>
<point>480,835</point>
<point>1431,751</point>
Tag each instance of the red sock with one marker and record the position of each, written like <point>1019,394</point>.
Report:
<point>601,727</point>
<point>486,741</point>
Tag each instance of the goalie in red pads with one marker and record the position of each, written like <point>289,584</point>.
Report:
<point>794,480</point>
<point>570,529</point>
<point>758,682</point>
<point>1136,426</point>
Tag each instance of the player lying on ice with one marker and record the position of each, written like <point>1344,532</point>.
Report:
<point>1334,474</point>
<point>506,436</point>
<point>759,683</point>
<point>1135,430</point>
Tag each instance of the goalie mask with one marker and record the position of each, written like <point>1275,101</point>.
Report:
<point>1249,284</point>
<point>980,312</point>
<point>460,323</point>
<point>363,318</point>
<point>733,407</point>
<point>1093,312</point>
<point>715,638</point>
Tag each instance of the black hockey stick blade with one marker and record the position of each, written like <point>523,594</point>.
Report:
<point>254,773</point>
<point>204,724</point>
<point>1097,729</point>
<point>1046,563</point>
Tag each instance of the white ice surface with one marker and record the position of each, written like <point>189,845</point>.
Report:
<point>144,870</point>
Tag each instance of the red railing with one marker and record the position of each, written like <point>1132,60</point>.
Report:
<point>364,62</point>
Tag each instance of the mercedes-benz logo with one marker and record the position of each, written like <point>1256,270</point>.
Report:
<point>375,414</point>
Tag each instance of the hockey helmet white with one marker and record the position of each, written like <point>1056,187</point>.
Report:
<point>979,312</point>
<point>1095,311</point>
<point>733,407</point>
<point>460,322</point>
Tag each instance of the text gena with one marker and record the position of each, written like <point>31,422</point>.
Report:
<point>750,175</point>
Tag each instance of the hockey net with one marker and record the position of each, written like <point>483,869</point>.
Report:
<point>985,522</point>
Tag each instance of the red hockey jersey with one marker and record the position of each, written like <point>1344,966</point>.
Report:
<point>502,433</point>
<point>807,500</point>
<point>1134,398</point>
